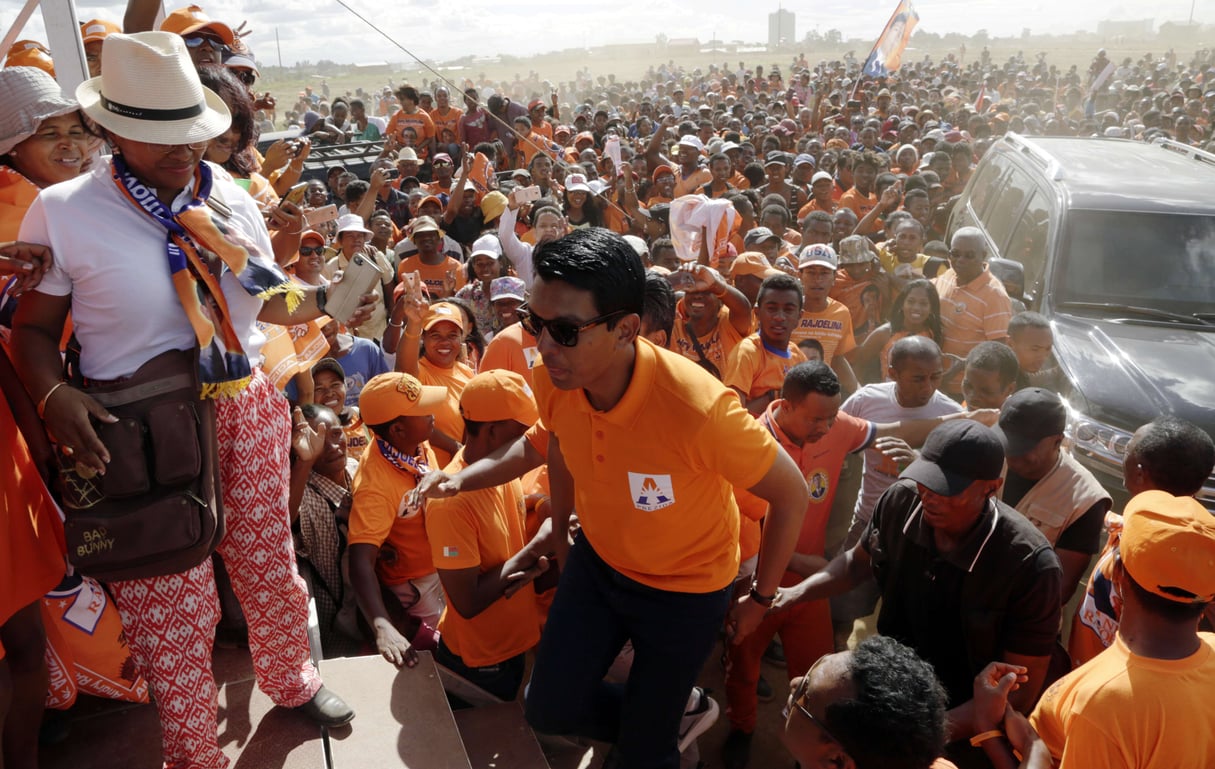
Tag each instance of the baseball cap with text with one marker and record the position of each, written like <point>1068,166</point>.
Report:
<point>389,396</point>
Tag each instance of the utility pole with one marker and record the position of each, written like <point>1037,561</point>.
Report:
<point>278,44</point>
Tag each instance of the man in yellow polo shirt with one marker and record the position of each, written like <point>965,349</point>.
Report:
<point>646,445</point>
<point>477,542</point>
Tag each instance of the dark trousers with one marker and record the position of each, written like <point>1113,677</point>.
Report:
<point>596,609</point>
<point>501,680</point>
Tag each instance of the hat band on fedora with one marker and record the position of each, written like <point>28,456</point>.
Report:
<point>157,115</point>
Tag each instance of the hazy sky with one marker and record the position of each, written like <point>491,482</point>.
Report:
<point>444,29</point>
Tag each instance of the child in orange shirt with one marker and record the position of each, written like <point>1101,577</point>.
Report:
<point>757,366</point>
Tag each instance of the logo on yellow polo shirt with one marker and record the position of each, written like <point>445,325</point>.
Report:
<point>819,484</point>
<point>651,492</point>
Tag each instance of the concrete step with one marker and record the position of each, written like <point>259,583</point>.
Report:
<point>402,716</point>
<point>498,737</point>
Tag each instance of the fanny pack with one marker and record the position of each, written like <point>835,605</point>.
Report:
<point>158,509</point>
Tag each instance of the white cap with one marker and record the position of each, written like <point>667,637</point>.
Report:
<point>487,245</point>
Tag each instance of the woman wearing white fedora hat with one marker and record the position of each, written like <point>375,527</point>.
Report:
<point>157,251</point>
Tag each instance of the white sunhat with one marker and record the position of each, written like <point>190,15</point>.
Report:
<point>29,96</point>
<point>351,223</point>
<point>149,91</point>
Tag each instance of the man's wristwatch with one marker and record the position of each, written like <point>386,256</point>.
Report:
<point>761,599</point>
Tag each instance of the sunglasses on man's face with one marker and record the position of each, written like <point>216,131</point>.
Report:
<point>245,76</point>
<point>563,332</point>
<point>311,250</point>
<point>196,41</point>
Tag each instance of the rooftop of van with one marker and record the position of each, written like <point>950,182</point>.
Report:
<point>1120,174</point>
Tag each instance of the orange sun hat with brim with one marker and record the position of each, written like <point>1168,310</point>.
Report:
<point>185,21</point>
<point>1167,546</point>
<point>149,91</point>
<point>29,96</point>
<point>753,263</point>
<point>389,396</point>
<point>96,30</point>
<point>443,312</point>
<point>498,395</point>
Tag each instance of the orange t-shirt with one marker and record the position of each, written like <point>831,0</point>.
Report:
<point>974,313</point>
<point>717,346</point>
<point>752,510</point>
<point>483,529</point>
<point>512,349</point>
<point>654,476</point>
<point>434,275</point>
<point>860,204</point>
<point>447,418</point>
<point>753,369</point>
<point>691,185</point>
<point>379,492</point>
<point>832,328</point>
<point>813,205</point>
<point>447,122</point>
<point>419,121</point>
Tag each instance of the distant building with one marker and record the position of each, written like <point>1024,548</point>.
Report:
<point>1136,28</point>
<point>781,28</point>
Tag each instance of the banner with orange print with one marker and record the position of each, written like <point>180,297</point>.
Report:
<point>887,53</point>
<point>291,349</point>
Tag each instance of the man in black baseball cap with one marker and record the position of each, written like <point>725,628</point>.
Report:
<point>1046,485</point>
<point>965,579</point>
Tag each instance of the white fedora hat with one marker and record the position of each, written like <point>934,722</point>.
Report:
<point>149,91</point>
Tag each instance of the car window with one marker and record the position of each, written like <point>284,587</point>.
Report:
<point>1004,212</point>
<point>1029,243</point>
<point>1156,260</point>
<point>983,188</point>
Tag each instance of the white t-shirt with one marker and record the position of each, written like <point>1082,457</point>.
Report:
<point>111,259</point>
<point>877,403</point>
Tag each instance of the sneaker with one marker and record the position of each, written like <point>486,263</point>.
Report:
<point>763,690</point>
<point>736,752</point>
<point>698,719</point>
<point>775,653</point>
<point>327,709</point>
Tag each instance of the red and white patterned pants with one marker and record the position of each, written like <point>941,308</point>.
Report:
<point>170,621</point>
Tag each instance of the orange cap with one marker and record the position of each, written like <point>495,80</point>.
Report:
<point>190,19</point>
<point>660,170</point>
<point>392,395</point>
<point>96,30</point>
<point>498,395</point>
<point>752,263</point>
<point>443,312</point>
<point>1168,546</point>
<point>33,56</point>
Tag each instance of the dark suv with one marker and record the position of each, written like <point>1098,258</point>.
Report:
<point>1117,242</point>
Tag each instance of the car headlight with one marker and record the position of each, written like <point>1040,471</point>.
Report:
<point>1096,438</point>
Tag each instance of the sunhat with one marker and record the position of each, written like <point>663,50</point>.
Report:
<point>149,91</point>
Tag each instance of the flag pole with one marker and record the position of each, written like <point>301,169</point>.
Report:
<point>876,43</point>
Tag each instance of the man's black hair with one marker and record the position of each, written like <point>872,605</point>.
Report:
<point>1027,319</point>
<point>1177,455</point>
<point>913,347</point>
<point>780,282</point>
<point>896,719</point>
<point>659,313</point>
<point>599,261</point>
<point>809,377</point>
<point>997,357</point>
<point>314,410</point>
<point>355,191</point>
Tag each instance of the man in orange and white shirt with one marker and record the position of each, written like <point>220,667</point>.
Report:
<point>823,318</point>
<point>710,320</point>
<point>974,305</point>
